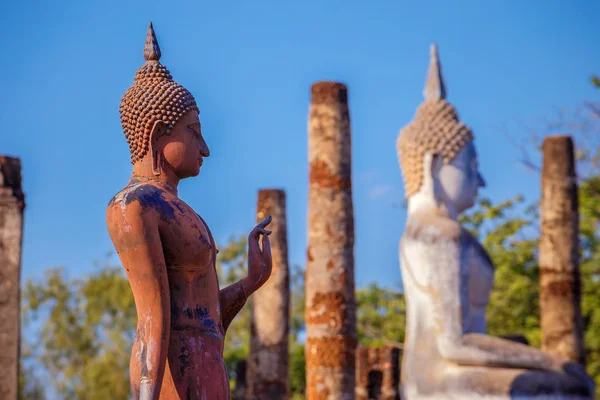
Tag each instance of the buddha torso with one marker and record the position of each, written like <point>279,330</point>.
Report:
<point>430,236</point>
<point>195,366</point>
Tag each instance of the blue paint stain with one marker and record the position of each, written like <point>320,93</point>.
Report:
<point>184,353</point>
<point>152,197</point>
<point>200,314</point>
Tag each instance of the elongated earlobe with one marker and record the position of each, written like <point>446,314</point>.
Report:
<point>156,162</point>
<point>158,130</point>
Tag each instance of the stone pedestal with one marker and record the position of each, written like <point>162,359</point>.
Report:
<point>267,375</point>
<point>377,373</point>
<point>12,204</point>
<point>560,282</point>
<point>330,304</point>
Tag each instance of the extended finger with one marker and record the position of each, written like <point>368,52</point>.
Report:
<point>257,231</point>
<point>265,222</point>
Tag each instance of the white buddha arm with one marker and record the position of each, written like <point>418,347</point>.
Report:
<point>448,283</point>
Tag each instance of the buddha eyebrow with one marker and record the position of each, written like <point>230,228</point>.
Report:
<point>195,127</point>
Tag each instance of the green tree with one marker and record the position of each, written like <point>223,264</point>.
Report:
<point>86,332</point>
<point>380,316</point>
<point>296,362</point>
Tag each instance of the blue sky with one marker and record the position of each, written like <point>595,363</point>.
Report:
<point>250,66</point>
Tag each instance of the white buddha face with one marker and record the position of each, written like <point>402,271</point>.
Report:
<point>457,183</point>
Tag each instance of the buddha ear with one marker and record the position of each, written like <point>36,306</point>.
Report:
<point>158,129</point>
<point>437,162</point>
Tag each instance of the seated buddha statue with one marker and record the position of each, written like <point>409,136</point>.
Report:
<point>448,276</point>
<point>167,249</point>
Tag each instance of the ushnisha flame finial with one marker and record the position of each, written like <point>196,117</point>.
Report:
<point>434,86</point>
<point>151,48</point>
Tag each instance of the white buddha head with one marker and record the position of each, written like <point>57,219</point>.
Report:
<point>436,151</point>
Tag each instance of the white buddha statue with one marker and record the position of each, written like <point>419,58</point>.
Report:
<point>448,276</point>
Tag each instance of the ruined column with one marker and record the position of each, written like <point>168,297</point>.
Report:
<point>12,204</point>
<point>377,373</point>
<point>330,305</point>
<point>560,282</point>
<point>267,375</point>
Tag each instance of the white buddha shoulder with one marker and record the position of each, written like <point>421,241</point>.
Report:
<point>448,275</point>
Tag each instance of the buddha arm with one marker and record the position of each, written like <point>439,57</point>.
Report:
<point>232,299</point>
<point>451,279</point>
<point>136,236</point>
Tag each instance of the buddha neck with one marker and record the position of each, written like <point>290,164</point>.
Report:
<point>142,171</point>
<point>425,201</point>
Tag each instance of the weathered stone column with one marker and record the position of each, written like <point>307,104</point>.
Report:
<point>378,373</point>
<point>330,304</point>
<point>560,282</point>
<point>267,375</point>
<point>12,204</point>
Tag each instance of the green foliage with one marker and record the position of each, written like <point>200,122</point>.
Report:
<point>86,336</point>
<point>589,208</point>
<point>503,230</point>
<point>30,388</point>
<point>297,369</point>
<point>380,316</point>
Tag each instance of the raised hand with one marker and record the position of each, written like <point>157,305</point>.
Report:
<point>259,260</point>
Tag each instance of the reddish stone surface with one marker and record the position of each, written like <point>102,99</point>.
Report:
<point>12,204</point>
<point>330,305</point>
<point>168,251</point>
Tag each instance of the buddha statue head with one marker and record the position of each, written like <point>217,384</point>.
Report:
<point>436,152</point>
<point>160,119</point>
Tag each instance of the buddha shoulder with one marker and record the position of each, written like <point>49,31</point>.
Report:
<point>431,228</point>
<point>144,198</point>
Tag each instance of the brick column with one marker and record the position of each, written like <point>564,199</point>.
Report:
<point>330,304</point>
<point>377,373</point>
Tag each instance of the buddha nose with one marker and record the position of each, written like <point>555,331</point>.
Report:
<point>204,150</point>
<point>480,180</point>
